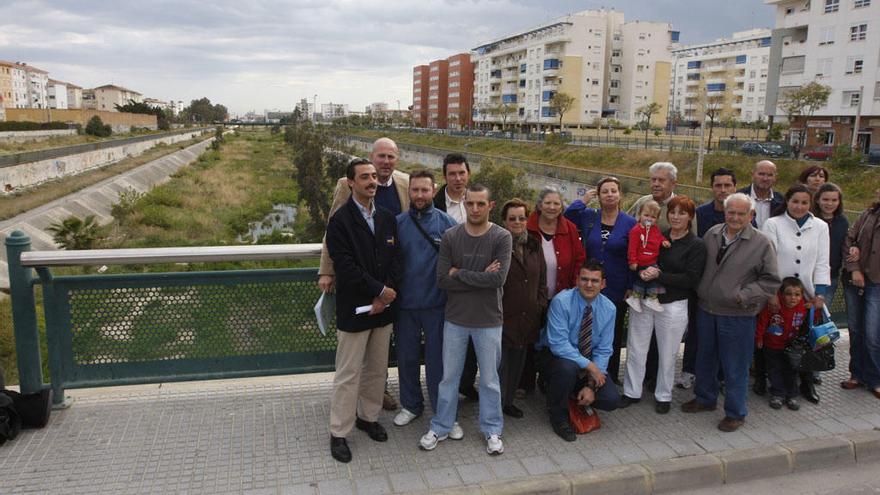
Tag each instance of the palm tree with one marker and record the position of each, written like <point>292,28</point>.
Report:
<point>75,233</point>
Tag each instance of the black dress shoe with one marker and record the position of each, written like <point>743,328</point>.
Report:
<point>470,393</point>
<point>817,380</point>
<point>374,430</point>
<point>760,386</point>
<point>661,407</point>
<point>564,431</point>
<point>626,401</point>
<point>808,391</point>
<point>512,411</point>
<point>339,449</point>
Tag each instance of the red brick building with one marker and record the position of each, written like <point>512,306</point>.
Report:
<point>443,93</point>
<point>420,96</point>
<point>460,92</point>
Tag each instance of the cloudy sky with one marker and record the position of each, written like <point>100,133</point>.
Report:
<point>260,54</point>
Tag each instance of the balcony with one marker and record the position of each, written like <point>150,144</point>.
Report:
<point>495,91</point>
<point>715,81</point>
<point>692,82</point>
<point>715,69</point>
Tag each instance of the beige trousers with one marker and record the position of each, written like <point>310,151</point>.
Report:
<point>359,382</point>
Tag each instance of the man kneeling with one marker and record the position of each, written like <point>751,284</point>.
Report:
<point>575,347</point>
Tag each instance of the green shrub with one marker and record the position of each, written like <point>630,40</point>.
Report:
<point>845,157</point>
<point>32,126</point>
<point>157,216</point>
<point>96,127</point>
<point>125,206</point>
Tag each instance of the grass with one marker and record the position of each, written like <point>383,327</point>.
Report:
<point>20,202</point>
<point>11,148</point>
<point>207,203</point>
<point>858,183</point>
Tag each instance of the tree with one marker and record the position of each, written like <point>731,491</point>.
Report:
<point>803,102</point>
<point>561,103</point>
<point>713,106</point>
<point>75,233</point>
<point>96,127</point>
<point>308,145</point>
<point>203,112</point>
<point>504,182</point>
<point>646,112</point>
<point>758,125</point>
<point>163,117</point>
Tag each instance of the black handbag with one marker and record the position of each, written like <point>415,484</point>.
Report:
<point>803,358</point>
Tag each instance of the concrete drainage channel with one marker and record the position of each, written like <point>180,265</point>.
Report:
<point>699,471</point>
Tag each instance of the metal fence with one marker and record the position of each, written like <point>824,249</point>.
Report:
<point>154,327</point>
<point>39,155</point>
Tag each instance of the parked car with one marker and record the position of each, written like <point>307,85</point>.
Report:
<point>874,154</point>
<point>767,149</point>
<point>823,152</point>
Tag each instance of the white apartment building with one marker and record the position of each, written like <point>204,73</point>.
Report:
<point>731,71</point>
<point>330,111</point>
<point>57,94</point>
<point>835,43</point>
<point>155,102</point>
<point>306,109</point>
<point>20,87</point>
<point>583,55</point>
<point>74,96</point>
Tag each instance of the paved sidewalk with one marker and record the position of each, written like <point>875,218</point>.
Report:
<point>269,435</point>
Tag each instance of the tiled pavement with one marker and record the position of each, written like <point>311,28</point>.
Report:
<point>269,435</point>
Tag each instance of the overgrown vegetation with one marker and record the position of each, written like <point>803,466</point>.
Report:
<point>505,183</point>
<point>97,127</point>
<point>74,232</point>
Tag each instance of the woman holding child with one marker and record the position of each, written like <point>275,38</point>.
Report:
<point>678,270</point>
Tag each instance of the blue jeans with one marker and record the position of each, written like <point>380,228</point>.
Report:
<point>408,339</point>
<point>487,344</point>
<point>863,319</point>
<point>726,342</point>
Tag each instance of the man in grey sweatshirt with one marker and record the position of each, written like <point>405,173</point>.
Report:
<point>740,276</point>
<point>472,267</point>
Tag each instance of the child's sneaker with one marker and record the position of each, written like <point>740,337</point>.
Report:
<point>430,440</point>
<point>776,402</point>
<point>653,303</point>
<point>793,404</point>
<point>456,433</point>
<point>634,303</point>
<point>685,380</point>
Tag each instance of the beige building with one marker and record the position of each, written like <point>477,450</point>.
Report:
<point>74,96</point>
<point>6,96</point>
<point>108,96</point>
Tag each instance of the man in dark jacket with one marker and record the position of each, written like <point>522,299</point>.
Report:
<point>362,242</point>
<point>761,191</point>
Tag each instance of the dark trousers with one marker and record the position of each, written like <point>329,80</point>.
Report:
<point>562,380</point>
<point>513,360</point>
<point>529,371</point>
<point>691,340</point>
<point>620,341</point>
<point>469,373</point>
<point>783,378</point>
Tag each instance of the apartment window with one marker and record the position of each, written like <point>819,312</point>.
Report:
<point>826,35</point>
<point>454,74</point>
<point>595,82</point>
<point>854,65</point>
<point>793,65</point>
<point>454,63</point>
<point>858,32</point>
<point>832,6</point>
<point>753,74</point>
<point>751,87</point>
<point>857,4</point>
<point>851,98</point>
<point>640,68</point>
<point>615,83</point>
<point>877,90</point>
<point>823,67</point>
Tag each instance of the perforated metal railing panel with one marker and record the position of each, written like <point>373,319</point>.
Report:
<point>136,328</point>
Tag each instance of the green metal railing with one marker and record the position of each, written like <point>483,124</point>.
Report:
<point>136,328</point>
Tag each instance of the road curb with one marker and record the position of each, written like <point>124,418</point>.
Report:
<point>697,471</point>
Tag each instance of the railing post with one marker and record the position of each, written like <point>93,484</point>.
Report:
<point>24,315</point>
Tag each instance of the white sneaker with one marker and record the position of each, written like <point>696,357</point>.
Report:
<point>430,440</point>
<point>404,417</point>
<point>654,304</point>
<point>685,380</point>
<point>634,303</point>
<point>494,446</point>
<point>456,433</point>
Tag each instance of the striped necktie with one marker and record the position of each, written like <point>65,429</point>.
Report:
<point>585,340</point>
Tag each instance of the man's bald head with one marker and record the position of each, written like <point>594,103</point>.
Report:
<point>764,176</point>
<point>384,156</point>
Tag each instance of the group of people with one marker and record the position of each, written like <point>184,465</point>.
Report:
<point>540,301</point>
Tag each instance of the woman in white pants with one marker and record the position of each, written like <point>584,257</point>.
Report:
<point>679,270</point>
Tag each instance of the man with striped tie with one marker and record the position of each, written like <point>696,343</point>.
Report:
<point>575,347</point>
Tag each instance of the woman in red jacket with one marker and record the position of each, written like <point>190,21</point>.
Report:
<point>563,253</point>
<point>559,238</point>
